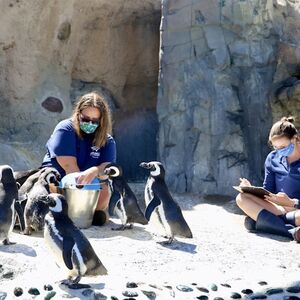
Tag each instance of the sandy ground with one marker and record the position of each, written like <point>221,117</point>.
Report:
<point>221,252</point>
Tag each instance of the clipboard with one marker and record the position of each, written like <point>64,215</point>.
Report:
<point>257,191</point>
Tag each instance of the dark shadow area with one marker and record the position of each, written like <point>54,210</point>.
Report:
<point>180,246</point>
<point>18,248</point>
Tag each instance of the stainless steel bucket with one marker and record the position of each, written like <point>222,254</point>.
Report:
<point>81,205</point>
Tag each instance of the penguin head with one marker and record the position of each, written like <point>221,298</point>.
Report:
<point>7,175</point>
<point>113,170</point>
<point>56,202</point>
<point>50,175</point>
<point>156,168</point>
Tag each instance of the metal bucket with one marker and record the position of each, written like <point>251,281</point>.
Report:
<point>81,205</point>
<point>82,199</point>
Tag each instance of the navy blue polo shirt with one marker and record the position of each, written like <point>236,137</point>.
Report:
<point>65,142</point>
<point>282,177</point>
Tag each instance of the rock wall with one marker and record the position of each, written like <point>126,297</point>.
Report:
<point>228,69</point>
<point>53,51</point>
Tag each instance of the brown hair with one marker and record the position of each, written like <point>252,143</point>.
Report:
<point>283,128</point>
<point>93,99</point>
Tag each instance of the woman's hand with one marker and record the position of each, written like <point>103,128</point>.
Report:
<point>87,176</point>
<point>280,198</point>
<point>244,182</point>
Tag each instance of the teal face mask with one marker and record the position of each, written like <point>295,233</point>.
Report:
<point>88,127</point>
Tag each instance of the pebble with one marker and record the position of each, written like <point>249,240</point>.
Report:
<point>8,275</point>
<point>18,291</point>
<point>150,294</point>
<point>33,291</point>
<point>202,297</point>
<point>218,298</point>
<point>131,285</point>
<point>293,289</point>
<point>203,289</point>
<point>184,288</point>
<point>214,287</point>
<point>48,287</point>
<point>226,285</point>
<point>262,283</point>
<point>193,283</point>
<point>235,295</point>
<point>100,296</point>
<point>3,295</point>
<point>50,295</point>
<point>247,291</point>
<point>291,298</point>
<point>114,298</point>
<point>274,291</point>
<point>130,294</point>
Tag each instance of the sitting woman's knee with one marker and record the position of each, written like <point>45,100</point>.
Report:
<point>241,199</point>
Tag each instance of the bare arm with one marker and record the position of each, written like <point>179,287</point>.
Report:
<point>68,163</point>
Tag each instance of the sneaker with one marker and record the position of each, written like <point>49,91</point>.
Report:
<point>296,234</point>
<point>99,218</point>
<point>250,224</point>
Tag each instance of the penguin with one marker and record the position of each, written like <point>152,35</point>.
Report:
<point>21,177</point>
<point>8,195</point>
<point>123,201</point>
<point>36,186</point>
<point>159,199</point>
<point>70,246</point>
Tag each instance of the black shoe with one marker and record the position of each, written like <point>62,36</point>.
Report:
<point>250,224</point>
<point>99,218</point>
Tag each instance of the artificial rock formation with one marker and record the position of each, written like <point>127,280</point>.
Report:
<point>54,51</point>
<point>228,69</point>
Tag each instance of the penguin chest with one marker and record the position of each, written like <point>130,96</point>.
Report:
<point>120,210</point>
<point>148,191</point>
<point>53,239</point>
<point>160,210</point>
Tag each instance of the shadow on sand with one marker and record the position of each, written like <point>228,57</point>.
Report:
<point>180,246</point>
<point>19,248</point>
<point>138,232</point>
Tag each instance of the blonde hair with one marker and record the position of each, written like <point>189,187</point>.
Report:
<point>283,128</point>
<point>93,99</point>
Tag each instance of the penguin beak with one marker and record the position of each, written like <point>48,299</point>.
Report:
<point>107,171</point>
<point>145,165</point>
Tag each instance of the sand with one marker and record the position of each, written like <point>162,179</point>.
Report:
<point>221,252</point>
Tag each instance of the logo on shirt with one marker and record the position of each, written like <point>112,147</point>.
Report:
<point>94,153</point>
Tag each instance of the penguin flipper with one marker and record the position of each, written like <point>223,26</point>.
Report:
<point>68,244</point>
<point>114,199</point>
<point>151,206</point>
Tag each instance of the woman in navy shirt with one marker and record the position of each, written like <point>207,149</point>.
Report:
<point>278,212</point>
<point>83,144</point>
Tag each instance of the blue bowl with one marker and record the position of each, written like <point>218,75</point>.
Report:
<point>69,181</point>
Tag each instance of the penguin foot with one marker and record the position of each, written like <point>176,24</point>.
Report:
<point>6,242</point>
<point>123,227</point>
<point>74,286</point>
<point>167,242</point>
<point>26,231</point>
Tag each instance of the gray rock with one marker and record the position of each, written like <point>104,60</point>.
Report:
<point>3,295</point>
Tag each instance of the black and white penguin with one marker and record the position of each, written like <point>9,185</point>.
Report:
<point>159,199</point>
<point>36,186</point>
<point>69,245</point>
<point>8,195</point>
<point>123,201</point>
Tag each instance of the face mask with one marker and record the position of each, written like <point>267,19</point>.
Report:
<point>287,151</point>
<point>88,127</point>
